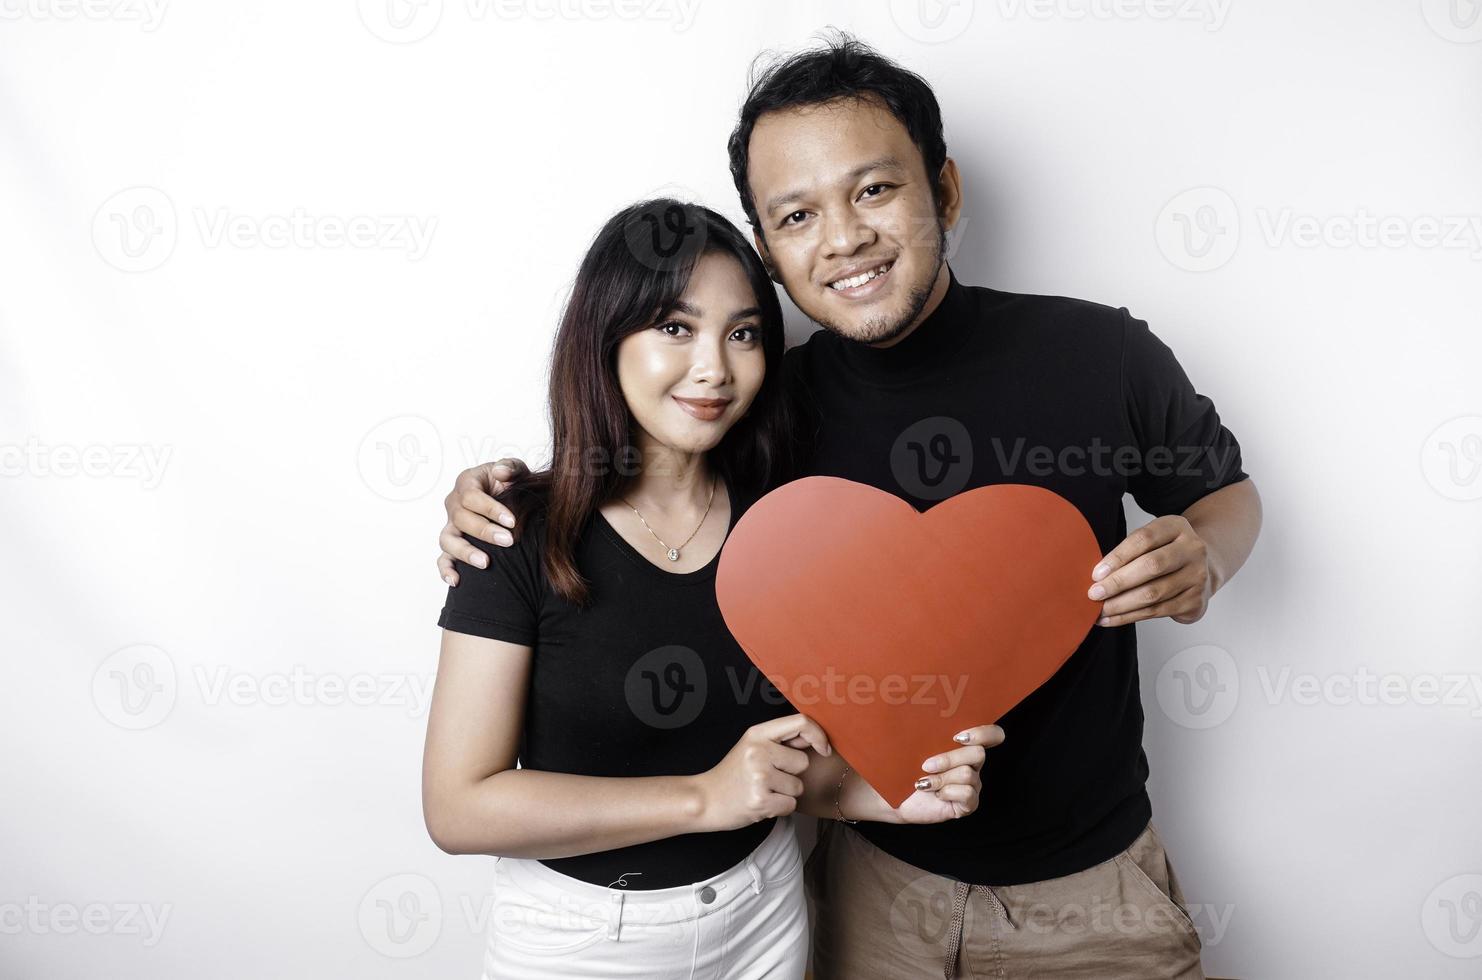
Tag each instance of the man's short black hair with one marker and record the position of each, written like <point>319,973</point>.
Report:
<point>843,67</point>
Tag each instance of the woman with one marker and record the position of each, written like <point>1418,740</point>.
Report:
<point>647,828</point>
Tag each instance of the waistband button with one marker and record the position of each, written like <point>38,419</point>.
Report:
<point>707,894</point>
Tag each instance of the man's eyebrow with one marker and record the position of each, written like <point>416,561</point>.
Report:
<point>884,163</point>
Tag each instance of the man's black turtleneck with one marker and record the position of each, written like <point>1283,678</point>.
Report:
<point>1079,398</point>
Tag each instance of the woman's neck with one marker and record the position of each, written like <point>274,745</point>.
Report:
<point>671,482</point>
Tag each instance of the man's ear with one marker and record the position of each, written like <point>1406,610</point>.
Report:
<point>949,192</point>
<point>761,249</point>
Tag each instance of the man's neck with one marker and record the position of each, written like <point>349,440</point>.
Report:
<point>938,293</point>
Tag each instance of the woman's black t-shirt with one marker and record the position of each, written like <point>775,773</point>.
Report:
<point>644,681</point>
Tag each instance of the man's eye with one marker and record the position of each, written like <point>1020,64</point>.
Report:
<point>880,188</point>
<point>800,215</point>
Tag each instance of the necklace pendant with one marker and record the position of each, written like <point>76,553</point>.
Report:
<point>672,554</point>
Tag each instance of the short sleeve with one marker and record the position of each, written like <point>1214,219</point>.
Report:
<point>503,601</point>
<point>1183,451</point>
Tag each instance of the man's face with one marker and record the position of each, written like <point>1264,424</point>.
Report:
<point>847,217</point>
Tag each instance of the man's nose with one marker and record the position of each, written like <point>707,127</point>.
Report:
<point>846,233</point>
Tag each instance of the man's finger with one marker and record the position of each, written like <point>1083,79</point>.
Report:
<point>1144,568</point>
<point>472,523</point>
<point>461,549</point>
<point>1152,535</point>
<point>1150,612</point>
<point>1151,593</point>
<point>514,468</point>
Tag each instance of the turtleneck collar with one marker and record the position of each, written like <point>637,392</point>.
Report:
<point>934,341</point>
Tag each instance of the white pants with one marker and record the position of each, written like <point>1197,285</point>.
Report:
<point>747,922</point>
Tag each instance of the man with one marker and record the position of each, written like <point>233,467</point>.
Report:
<point>924,387</point>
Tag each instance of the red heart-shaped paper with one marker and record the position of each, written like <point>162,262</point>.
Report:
<point>895,629</point>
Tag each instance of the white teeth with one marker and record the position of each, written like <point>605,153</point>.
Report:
<point>860,279</point>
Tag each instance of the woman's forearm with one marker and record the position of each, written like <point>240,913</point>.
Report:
<point>857,800</point>
<point>528,813</point>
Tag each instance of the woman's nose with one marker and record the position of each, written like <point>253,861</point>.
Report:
<point>709,363</point>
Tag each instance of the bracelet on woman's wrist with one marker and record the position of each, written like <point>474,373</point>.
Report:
<point>838,796</point>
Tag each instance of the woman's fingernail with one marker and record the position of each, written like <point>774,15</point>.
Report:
<point>503,538</point>
<point>478,560</point>
<point>932,764</point>
<point>508,520</point>
<point>963,737</point>
<point>923,783</point>
<point>448,579</point>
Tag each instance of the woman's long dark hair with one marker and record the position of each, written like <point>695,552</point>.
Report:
<point>636,269</point>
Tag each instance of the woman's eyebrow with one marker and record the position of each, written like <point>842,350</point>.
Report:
<point>690,309</point>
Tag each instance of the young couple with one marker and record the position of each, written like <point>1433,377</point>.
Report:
<point>596,727</point>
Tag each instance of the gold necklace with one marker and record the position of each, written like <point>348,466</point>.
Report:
<point>673,553</point>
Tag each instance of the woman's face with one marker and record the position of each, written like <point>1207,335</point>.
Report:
<point>692,374</point>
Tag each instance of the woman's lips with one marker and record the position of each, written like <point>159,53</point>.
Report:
<point>704,409</point>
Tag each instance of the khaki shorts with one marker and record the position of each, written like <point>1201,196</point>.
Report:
<point>876,916</point>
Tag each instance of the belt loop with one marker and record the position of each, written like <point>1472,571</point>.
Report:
<point>954,928</point>
<point>756,876</point>
<point>615,914</point>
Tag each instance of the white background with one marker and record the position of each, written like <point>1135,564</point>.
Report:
<point>225,449</point>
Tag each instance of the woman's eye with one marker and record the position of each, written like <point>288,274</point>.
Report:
<point>673,328</point>
<point>745,334</point>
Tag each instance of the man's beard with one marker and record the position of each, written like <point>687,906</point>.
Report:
<point>879,329</point>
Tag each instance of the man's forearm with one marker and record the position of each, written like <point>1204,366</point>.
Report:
<point>1228,521</point>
